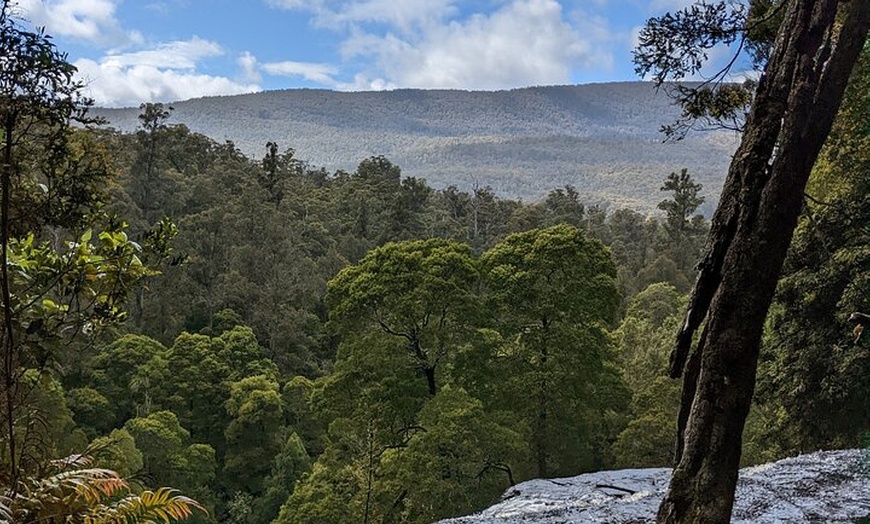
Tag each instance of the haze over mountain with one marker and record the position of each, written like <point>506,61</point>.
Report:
<point>603,139</point>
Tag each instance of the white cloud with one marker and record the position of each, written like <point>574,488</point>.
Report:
<point>180,54</point>
<point>248,64</point>
<point>93,21</point>
<point>166,6</point>
<point>320,73</point>
<point>434,44</point>
<point>111,84</point>
<point>165,73</point>
<point>406,15</point>
<point>526,42</point>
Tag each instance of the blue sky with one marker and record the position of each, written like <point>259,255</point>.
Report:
<point>130,51</point>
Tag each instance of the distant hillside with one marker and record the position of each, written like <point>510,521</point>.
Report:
<point>601,138</point>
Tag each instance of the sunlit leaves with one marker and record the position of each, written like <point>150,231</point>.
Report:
<point>644,341</point>
<point>552,292</point>
<point>76,492</point>
<point>419,292</point>
<point>164,505</point>
<point>58,293</point>
<point>556,274</point>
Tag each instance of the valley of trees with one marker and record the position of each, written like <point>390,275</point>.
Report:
<point>396,353</point>
<point>285,344</point>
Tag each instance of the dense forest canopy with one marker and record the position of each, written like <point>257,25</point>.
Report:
<point>284,343</point>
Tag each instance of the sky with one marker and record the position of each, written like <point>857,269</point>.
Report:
<point>133,51</point>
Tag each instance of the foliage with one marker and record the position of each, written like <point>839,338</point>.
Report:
<point>65,273</point>
<point>362,347</point>
<point>70,491</point>
<point>812,384</point>
<point>253,434</point>
<point>680,210</point>
<point>644,341</point>
<point>288,466</point>
<point>354,394</point>
<point>167,454</point>
<point>600,138</point>
<point>554,293</point>
<point>418,292</point>
<point>791,115</point>
<point>678,44</point>
<point>118,452</point>
<point>461,462</point>
<point>117,373</point>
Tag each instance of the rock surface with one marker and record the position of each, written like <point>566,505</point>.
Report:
<point>826,486</point>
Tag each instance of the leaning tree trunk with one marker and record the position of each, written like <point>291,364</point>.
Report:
<point>797,98</point>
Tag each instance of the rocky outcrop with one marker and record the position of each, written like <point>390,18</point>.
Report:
<point>826,486</point>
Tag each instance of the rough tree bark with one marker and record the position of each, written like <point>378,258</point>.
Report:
<point>797,98</point>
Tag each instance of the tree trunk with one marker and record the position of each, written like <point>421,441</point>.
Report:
<point>542,455</point>
<point>797,98</point>
<point>542,429</point>
<point>7,335</point>
<point>429,371</point>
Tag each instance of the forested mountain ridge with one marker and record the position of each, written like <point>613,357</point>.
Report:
<point>602,139</point>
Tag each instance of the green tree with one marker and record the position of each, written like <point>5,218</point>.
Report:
<point>644,340</point>
<point>168,456</point>
<point>640,251</point>
<point>791,114</point>
<point>815,397</point>
<point>203,369</point>
<point>684,227</point>
<point>119,369</point>
<point>300,417</point>
<point>118,452</point>
<point>372,401</point>
<point>288,467</point>
<point>146,170</point>
<point>254,432</point>
<point>93,413</point>
<point>418,292</point>
<point>564,207</point>
<point>554,293</point>
<point>53,288</point>
<point>680,209</point>
<point>276,169</point>
<point>50,431</point>
<point>462,461</point>
<point>321,499</point>
<point>370,404</point>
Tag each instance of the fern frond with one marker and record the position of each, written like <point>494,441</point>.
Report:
<point>164,505</point>
<point>75,461</point>
<point>6,516</point>
<point>93,485</point>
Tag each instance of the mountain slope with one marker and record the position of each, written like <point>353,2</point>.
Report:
<point>601,138</point>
